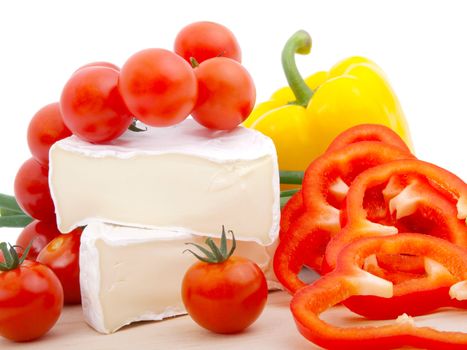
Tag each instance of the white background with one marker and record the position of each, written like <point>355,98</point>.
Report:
<point>421,45</point>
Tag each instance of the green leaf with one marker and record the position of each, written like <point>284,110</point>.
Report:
<point>9,202</point>
<point>9,212</point>
<point>15,221</point>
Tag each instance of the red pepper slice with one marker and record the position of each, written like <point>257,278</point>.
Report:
<point>368,132</point>
<point>437,206</point>
<point>363,132</point>
<point>291,212</point>
<point>348,280</point>
<point>420,207</point>
<point>324,189</point>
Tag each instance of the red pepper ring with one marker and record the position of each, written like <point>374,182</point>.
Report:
<point>291,212</point>
<point>444,181</point>
<point>326,180</point>
<point>304,244</point>
<point>363,132</point>
<point>368,132</point>
<point>348,280</point>
<point>325,187</point>
<point>438,201</point>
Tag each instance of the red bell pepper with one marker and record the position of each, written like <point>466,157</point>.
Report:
<point>324,190</point>
<point>445,261</point>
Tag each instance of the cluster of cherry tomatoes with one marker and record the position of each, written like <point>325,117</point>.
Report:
<point>50,275</point>
<point>203,77</point>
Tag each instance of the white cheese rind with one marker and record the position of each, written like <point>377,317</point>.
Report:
<point>123,267</point>
<point>184,178</point>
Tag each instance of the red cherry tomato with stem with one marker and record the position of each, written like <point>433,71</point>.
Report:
<point>31,298</point>
<point>39,234</point>
<point>226,94</point>
<point>205,40</point>
<point>224,293</point>
<point>158,86</point>
<point>46,128</point>
<point>92,106</point>
<point>32,190</point>
<point>62,256</point>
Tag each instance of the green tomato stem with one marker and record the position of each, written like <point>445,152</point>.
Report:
<point>134,127</point>
<point>194,63</point>
<point>214,254</point>
<point>11,259</point>
<point>299,43</point>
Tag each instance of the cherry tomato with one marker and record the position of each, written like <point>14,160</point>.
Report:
<point>92,106</point>
<point>100,64</point>
<point>226,94</point>
<point>40,233</point>
<point>204,40</point>
<point>46,128</point>
<point>158,86</point>
<point>32,190</point>
<point>225,297</point>
<point>31,300</point>
<point>62,256</point>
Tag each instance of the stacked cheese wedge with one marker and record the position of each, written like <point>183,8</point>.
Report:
<point>144,195</point>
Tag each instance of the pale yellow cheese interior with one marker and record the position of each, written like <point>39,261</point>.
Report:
<point>166,190</point>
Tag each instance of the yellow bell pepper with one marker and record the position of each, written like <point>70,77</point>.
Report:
<point>305,117</point>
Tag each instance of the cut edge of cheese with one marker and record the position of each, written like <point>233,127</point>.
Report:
<point>112,237</point>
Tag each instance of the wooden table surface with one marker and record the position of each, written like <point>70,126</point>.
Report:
<point>275,329</point>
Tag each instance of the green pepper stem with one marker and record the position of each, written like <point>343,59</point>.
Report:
<point>284,201</point>
<point>289,193</point>
<point>299,43</point>
<point>291,177</point>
